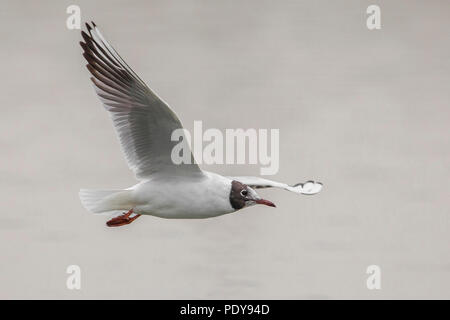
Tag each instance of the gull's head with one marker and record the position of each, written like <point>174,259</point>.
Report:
<point>242,196</point>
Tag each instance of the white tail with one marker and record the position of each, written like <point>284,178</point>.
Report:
<point>98,201</point>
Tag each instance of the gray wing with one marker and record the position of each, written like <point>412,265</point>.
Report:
<point>308,188</point>
<point>143,122</point>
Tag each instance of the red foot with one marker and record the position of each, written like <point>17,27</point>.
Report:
<point>122,219</point>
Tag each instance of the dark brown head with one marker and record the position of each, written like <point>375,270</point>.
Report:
<point>242,196</point>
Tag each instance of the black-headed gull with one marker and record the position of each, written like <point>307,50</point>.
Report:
<point>144,124</point>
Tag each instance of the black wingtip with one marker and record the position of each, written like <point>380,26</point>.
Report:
<point>85,36</point>
<point>87,57</point>
<point>84,46</point>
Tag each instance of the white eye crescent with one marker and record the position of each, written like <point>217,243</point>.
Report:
<point>244,193</point>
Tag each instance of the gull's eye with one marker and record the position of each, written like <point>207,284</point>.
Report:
<point>244,193</point>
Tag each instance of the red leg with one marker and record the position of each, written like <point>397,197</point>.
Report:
<point>122,219</point>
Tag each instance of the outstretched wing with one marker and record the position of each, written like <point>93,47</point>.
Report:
<point>308,188</point>
<point>143,122</point>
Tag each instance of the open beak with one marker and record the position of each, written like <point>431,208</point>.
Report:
<point>266,202</point>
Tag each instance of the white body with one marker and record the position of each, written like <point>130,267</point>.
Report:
<point>171,197</point>
<point>203,196</point>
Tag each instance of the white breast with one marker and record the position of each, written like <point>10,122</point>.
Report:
<point>183,198</point>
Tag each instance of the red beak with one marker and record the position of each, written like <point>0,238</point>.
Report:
<point>266,202</point>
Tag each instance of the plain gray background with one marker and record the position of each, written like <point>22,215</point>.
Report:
<point>365,112</point>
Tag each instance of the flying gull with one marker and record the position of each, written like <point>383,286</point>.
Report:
<point>144,124</point>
